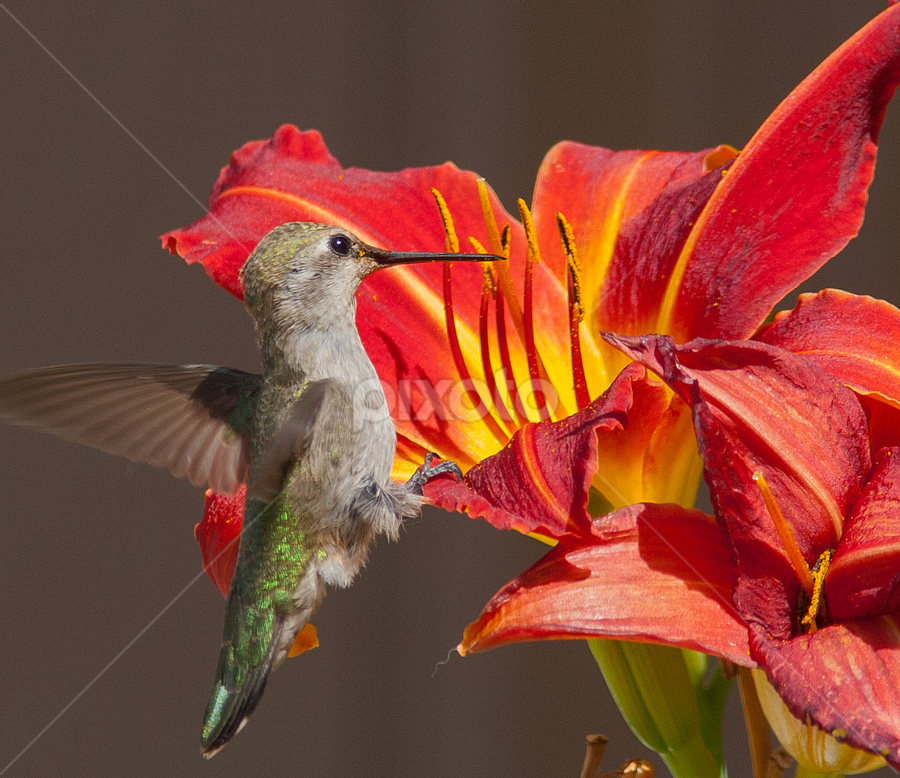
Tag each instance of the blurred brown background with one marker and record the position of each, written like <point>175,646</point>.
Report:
<point>92,547</point>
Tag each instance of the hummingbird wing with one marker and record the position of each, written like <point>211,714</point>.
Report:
<point>291,441</point>
<point>192,419</point>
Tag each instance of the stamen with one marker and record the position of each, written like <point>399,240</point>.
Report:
<point>476,244</point>
<point>489,221</point>
<point>530,231</point>
<point>489,290</point>
<point>576,313</point>
<point>787,538</point>
<point>819,571</point>
<point>450,238</point>
<point>452,244</point>
<point>534,255</point>
<point>511,397</point>
<point>504,278</point>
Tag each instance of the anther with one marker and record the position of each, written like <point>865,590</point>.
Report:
<point>817,602</point>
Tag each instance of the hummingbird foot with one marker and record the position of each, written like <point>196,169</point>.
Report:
<point>427,471</point>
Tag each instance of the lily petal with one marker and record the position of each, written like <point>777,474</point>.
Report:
<point>218,535</point>
<point>884,422</point>
<point>540,481</point>
<point>653,573</point>
<point>864,577</point>
<point>631,213</point>
<point>814,749</point>
<point>293,177</point>
<point>793,198</point>
<point>815,449</point>
<point>855,338</point>
<point>844,678</point>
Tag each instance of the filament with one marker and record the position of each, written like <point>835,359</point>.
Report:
<point>787,538</point>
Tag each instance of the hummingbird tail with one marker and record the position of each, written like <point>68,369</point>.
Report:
<point>238,688</point>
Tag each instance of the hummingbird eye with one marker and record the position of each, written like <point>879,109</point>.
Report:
<point>340,245</point>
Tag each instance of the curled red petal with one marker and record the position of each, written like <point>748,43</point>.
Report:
<point>794,197</point>
<point>655,573</point>
<point>758,408</point>
<point>864,577</point>
<point>855,338</point>
<point>844,678</point>
<point>539,482</point>
<point>218,535</point>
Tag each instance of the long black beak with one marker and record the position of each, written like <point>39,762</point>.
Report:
<point>388,258</point>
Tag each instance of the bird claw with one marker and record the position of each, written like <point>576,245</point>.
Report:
<point>427,471</point>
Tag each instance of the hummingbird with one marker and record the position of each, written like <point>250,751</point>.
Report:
<point>311,438</point>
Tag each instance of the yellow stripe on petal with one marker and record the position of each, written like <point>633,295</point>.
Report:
<point>665,324</point>
<point>602,247</point>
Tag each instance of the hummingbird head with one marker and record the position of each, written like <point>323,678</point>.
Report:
<point>305,274</point>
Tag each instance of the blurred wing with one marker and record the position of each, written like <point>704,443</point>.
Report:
<point>191,419</point>
<point>292,440</point>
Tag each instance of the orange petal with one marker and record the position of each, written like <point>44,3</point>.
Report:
<point>631,213</point>
<point>656,573</point>
<point>306,639</point>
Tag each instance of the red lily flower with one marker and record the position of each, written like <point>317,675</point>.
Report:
<point>685,244</point>
<point>665,574</point>
<point>812,519</point>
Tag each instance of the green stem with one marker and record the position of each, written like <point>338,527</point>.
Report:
<point>662,697</point>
